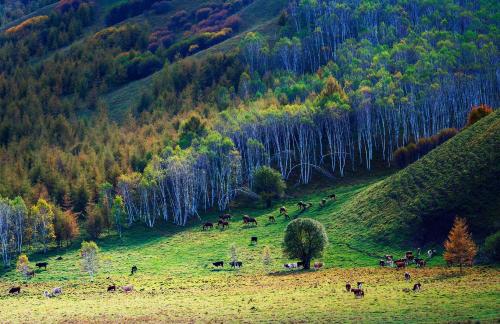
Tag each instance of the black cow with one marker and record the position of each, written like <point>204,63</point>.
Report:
<point>236,264</point>
<point>59,258</point>
<point>133,270</point>
<point>42,265</point>
<point>222,223</point>
<point>417,286</point>
<point>282,210</point>
<point>111,288</point>
<point>218,264</point>
<point>332,196</point>
<point>208,225</point>
<point>253,239</point>
<point>225,216</point>
<point>15,290</point>
<point>272,219</point>
<point>300,264</point>
<point>348,286</point>
<point>407,276</point>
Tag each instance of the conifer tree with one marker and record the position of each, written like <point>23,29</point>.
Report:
<point>460,248</point>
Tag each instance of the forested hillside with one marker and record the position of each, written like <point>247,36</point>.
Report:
<point>312,88</point>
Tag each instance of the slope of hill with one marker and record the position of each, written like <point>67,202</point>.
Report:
<point>176,281</point>
<point>458,178</point>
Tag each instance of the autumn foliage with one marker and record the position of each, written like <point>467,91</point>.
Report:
<point>460,248</point>
<point>477,113</point>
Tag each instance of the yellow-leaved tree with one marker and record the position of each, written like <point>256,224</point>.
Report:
<point>460,248</point>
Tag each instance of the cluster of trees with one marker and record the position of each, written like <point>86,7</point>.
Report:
<point>14,9</point>
<point>408,154</point>
<point>178,183</point>
<point>35,227</point>
<point>38,35</point>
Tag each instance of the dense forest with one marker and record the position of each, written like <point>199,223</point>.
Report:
<point>338,86</point>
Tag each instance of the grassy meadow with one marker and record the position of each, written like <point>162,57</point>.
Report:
<point>176,281</point>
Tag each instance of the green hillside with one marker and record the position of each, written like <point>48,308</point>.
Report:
<point>459,177</point>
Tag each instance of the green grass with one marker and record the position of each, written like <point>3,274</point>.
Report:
<point>459,177</point>
<point>176,281</point>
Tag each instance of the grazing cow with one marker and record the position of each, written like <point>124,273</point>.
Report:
<point>111,288</point>
<point>282,210</point>
<point>236,264</point>
<point>225,216</point>
<point>417,287</point>
<point>322,203</point>
<point>15,290</point>
<point>302,205</point>
<point>272,219</point>
<point>400,264</point>
<point>248,220</point>
<point>59,258</point>
<point>57,291</point>
<point>332,196</point>
<point>381,263</point>
<point>127,289</point>
<point>358,293</point>
<point>222,223</point>
<point>30,274</point>
<point>253,240</point>
<point>208,225</point>
<point>420,263</point>
<point>348,286</point>
<point>218,264</point>
<point>318,265</point>
<point>407,276</point>
<point>133,270</point>
<point>42,265</point>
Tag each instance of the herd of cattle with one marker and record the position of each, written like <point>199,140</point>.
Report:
<point>223,222</point>
<point>58,290</point>
<point>408,259</point>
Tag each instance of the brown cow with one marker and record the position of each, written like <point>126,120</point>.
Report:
<point>318,265</point>
<point>400,264</point>
<point>358,293</point>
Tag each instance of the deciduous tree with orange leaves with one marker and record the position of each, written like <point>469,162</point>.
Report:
<point>460,248</point>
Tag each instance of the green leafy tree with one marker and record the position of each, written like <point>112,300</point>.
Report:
<point>305,239</point>
<point>43,214</point>
<point>119,215</point>
<point>268,184</point>
<point>492,246</point>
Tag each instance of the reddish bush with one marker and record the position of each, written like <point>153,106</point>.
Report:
<point>400,157</point>
<point>478,112</point>
<point>445,135</point>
